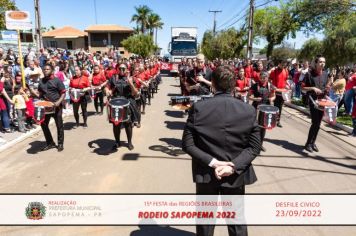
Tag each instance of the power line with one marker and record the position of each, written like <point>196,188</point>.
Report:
<point>234,17</point>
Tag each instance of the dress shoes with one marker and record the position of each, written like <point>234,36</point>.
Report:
<point>308,147</point>
<point>49,146</point>
<point>315,148</point>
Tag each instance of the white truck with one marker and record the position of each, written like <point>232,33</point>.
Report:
<point>183,44</point>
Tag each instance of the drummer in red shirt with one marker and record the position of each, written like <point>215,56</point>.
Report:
<point>242,86</point>
<point>82,83</point>
<point>99,81</point>
<point>144,80</point>
<point>110,71</point>
<point>279,77</point>
<point>256,73</point>
<point>248,69</point>
<point>139,82</point>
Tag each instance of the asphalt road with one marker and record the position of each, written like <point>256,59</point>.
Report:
<point>158,165</point>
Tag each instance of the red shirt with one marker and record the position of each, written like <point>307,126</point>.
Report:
<point>137,82</point>
<point>279,78</point>
<point>351,82</point>
<point>248,71</point>
<point>79,82</point>
<point>242,83</point>
<point>147,74</point>
<point>256,76</point>
<point>142,76</point>
<point>2,98</point>
<point>30,108</point>
<point>110,72</point>
<point>98,79</point>
<point>153,71</point>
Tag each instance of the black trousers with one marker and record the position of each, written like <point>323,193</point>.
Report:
<point>211,189</point>
<point>59,124</point>
<point>147,95</point>
<point>279,103</point>
<point>262,134</point>
<point>117,132</point>
<point>99,101</point>
<point>83,104</point>
<point>316,118</point>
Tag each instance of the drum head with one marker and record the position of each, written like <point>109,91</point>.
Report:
<point>268,108</point>
<point>43,104</point>
<point>327,103</point>
<point>119,102</point>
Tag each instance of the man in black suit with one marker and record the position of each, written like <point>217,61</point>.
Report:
<point>222,137</point>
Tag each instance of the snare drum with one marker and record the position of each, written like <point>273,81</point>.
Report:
<point>93,91</point>
<point>181,102</point>
<point>205,97</point>
<point>267,116</point>
<point>118,110</point>
<point>42,108</point>
<point>286,94</point>
<point>75,94</point>
<point>243,96</point>
<point>329,108</point>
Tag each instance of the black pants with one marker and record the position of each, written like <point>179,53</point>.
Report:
<point>99,101</point>
<point>262,134</point>
<point>83,104</point>
<point>147,96</point>
<point>59,124</point>
<point>117,132</point>
<point>210,189</point>
<point>316,118</point>
<point>279,103</point>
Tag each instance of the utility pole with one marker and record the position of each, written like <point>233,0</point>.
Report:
<point>96,17</point>
<point>214,27</point>
<point>38,33</point>
<point>250,30</point>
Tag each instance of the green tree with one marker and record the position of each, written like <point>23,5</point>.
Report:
<point>5,5</point>
<point>141,17</point>
<point>154,23</point>
<point>45,29</point>
<point>274,24</point>
<point>310,49</point>
<point>140,44</point>
<point>284,52</point>
<point>226,44</point>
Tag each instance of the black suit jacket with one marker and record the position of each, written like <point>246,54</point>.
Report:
<point>224,128</point>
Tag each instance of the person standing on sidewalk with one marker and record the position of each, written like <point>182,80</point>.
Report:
<point>315,83</point>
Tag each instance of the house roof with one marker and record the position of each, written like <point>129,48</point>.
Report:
<point>108,28</point>
<point>65,32</point>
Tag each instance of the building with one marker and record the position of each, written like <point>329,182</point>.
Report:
<point>66,37</point>
<point>101,37</point>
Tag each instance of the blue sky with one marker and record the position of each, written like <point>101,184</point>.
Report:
<point>191,13</point>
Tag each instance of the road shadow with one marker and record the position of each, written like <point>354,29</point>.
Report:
<point>323,159</point>
<point>36,147</point>
<point>167,150</point>
<point>152,230</point>
<point>174,114</point>
<point>172,142</point>
<point>174,94</point>
<point>130,157</point>
<point>69,125</point>
<point>299,149</point>
<point>175,125</point>
<point>91,113</point>
<point>102,147</point>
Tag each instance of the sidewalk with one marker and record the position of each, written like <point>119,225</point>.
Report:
<point>9,139</point>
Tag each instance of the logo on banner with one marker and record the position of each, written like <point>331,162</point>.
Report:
<point>35,211</point>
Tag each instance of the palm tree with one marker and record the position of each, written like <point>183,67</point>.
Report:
<point>154,23</point>
<point>141,17</point>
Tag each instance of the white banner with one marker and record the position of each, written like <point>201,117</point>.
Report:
<point>18,20</point>
<point>177,209</point>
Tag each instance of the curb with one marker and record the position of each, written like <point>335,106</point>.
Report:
<point>26,135</point>
<point>304,110</point>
